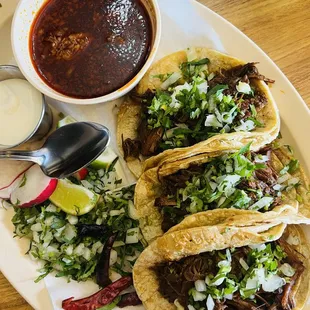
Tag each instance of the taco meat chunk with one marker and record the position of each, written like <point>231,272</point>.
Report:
<point>242,73</point>
<point>247,278</point>
<point>131,148</point>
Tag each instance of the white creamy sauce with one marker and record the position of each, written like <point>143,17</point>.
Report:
<point>20,110</point>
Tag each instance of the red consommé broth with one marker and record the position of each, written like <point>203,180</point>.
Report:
<point>89,48</point>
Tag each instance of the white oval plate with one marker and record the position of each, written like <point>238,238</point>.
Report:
<point>203,27</point>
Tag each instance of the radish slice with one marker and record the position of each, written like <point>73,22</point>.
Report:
<point>35,188</point>
<point>5,193</point>
<point>11,170</point>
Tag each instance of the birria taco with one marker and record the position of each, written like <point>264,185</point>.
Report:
<point>264,181</point>
<point>225,267</point>
<point>198,96</point>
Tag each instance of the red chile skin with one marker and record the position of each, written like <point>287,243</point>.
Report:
<point>99,299</point>
<point>118,33</point>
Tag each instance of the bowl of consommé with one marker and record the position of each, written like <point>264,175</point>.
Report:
<point>85,51</point>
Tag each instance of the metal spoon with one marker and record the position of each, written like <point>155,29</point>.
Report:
<point>67,149</point>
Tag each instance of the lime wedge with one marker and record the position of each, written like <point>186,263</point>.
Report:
<point>104,160</point>
<point>65,121</point>
<point>73,199</point>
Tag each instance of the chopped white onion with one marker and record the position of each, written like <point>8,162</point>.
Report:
<point>263,202</point>
<point>132,235</point>
<point>272,283</point>
<point>87,254</point>
<point>213,185</point>
<point>36,227</point>
<point>86,184</point>
<point>227,183</point>
<point>99,221</point>
<point>72,219</point>
<point>197,296</point>
<point>131,258</point>
<point>132,212</point>
<point>212,121</point>
<point>69,232</point>
<point>171,80</point>
<point>245,126</point>
<point>117,212</point>
<point>69,250</point>
<point>221,201</point>
<point>228,296</point>
<point>260,275</point>
<point>203,87</point>
<point>287,270</point>
<point>244,88</point>
<point>293,240</point>
<point>251,283</point>
<point>178,305</point>
<point>118,243</point>
<point>228,255</point>
<point>191,54</point>
<point>114,276</point>
<point>113,257</point>
<point>277,187</point>
<point>48,221</point>
<point>283,178</point>
<point>96,247</point>
<point>190,307</point>
<point>226,128</point>
<point>219,281</point>
<point>200,286</point>
<point>229,167</point>
<point>223,263</point>
<point>51,208</point>
<point>243,263</point>
<point>210,303</point>
<point>79,249</point>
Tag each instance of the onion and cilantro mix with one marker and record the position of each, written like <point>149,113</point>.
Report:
<point>195,105</point>
<point>253,276</point>
<point>243,180</point>
<point>59,240</point>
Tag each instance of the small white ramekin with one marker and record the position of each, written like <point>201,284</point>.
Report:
<point>45,122</point>
<point>21,26</point>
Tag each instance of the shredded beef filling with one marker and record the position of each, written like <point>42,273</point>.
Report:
<point>131,148</point>
<point>148,142</point>
<point>242,73</point>
<point>150,138</point>
<point>177,278</point>
<point>263,180</point>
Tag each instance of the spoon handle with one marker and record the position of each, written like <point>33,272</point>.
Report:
<point>33,156</point>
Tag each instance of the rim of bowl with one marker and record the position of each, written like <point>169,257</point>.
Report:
<point>109,97</point>
<point>44,106</point>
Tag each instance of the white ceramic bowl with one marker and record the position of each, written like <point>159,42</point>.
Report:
<point>21,26</point>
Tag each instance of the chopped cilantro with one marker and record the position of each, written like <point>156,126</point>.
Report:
<point>213,109</point>
<point>220,183</point>
<point>258,264</point>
